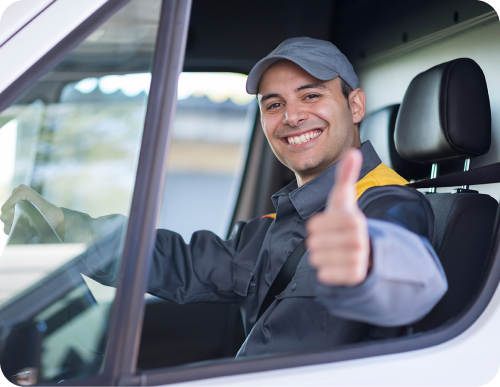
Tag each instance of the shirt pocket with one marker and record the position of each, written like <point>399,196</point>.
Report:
<point>303,284</point>
<point>243,282</point>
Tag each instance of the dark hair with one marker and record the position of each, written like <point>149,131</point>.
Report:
<point>346,90</point>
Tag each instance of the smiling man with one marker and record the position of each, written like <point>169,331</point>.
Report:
<point>308,122</point>
<point>369,269</point>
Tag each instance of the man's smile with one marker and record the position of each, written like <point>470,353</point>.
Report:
<point>308,122</point>
<point>302,138</point>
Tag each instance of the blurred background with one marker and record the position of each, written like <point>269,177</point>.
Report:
<point>67,149</point>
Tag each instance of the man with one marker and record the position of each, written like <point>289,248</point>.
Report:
<point>369,269</point>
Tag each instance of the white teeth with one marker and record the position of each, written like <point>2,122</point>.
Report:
<point>303,138</point>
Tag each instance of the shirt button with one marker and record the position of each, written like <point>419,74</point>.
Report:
<point>294,286</point>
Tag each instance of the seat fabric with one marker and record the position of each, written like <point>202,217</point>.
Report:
<point>464,224</point>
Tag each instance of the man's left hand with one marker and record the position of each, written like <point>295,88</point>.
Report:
<point>338,241</point>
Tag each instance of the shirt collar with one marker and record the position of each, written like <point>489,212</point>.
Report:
<point>312,196</point>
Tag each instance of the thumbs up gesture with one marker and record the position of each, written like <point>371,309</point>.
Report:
<point>338,242</point>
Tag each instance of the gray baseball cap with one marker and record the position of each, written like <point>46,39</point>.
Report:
<point>319,58</point>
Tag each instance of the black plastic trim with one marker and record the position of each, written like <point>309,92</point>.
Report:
<point>245,175</point>
<point>128,306</point>
<point>56,54</point>
<point>356,351</point>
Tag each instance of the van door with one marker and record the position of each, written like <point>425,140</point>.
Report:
<point>87,127</point>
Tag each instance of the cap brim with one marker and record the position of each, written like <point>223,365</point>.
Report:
<point>316,70</point>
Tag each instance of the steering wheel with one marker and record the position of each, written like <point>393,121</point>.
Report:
<point>30,226</point>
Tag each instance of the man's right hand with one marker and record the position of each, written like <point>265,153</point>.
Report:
<point>52,213</point>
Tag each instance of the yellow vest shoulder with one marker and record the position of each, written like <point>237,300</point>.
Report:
<point>379,176</point>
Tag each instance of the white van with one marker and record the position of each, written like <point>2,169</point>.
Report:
<point>138,108</point>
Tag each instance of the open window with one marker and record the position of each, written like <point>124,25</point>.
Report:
<point>212,129</point>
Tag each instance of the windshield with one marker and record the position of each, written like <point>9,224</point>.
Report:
<point>73,138</point>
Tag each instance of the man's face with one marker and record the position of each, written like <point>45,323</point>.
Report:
<point>307,122</point>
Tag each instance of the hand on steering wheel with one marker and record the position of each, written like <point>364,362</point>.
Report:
<point>30,226</point>
<point>47,212</point>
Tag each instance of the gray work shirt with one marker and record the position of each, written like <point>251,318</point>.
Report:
<point>406,280</point>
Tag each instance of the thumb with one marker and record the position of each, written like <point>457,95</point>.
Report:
<point>343,194</point>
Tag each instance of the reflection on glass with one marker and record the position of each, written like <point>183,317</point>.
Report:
<point>73,138</point>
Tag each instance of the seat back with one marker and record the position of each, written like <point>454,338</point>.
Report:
<point>463,230</point>
<point>445,115</point>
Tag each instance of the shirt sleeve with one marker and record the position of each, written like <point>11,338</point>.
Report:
<point>103,239</point>
<point>406,280</point>
<point>201,271</point>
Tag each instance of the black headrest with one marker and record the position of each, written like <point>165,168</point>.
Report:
<point>445,114</point>
<point>378,127</point>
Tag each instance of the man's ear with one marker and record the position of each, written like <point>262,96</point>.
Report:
<point>357,102</point>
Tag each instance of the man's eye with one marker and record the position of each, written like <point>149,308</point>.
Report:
<point>273,106</point>
<point>311,96</point>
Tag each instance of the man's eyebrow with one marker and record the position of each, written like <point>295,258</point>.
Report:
<point>303,87</point>
<point>268,96</point>
<point>311,86</point>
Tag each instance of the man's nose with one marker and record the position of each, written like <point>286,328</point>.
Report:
<point>294,115</point>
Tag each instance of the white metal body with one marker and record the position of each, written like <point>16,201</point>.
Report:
<point>40,35</point>
<point>11,22</point>
<point>471,359</point>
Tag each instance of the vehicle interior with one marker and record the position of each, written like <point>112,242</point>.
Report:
<point>74,137</point>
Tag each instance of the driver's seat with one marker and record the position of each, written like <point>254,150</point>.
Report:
<point>445,115</point>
